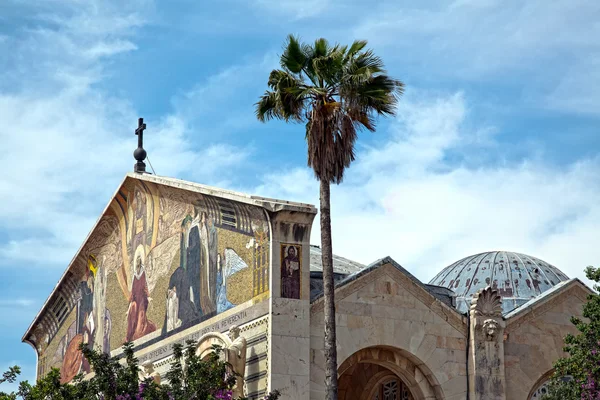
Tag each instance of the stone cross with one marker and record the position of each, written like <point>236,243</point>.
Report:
<point>140,154</point>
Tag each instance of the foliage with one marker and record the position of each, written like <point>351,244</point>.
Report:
<point>10,376</point>
<point>337,91</point>
<point>189,378</point>
<point>577,376</point>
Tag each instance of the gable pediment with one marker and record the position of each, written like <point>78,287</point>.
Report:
<point>546,302</point>
<point>382,283</point>
<point>141,257</point>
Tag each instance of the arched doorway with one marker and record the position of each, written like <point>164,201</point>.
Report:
<point>392,388</point>
<point>385,373</point>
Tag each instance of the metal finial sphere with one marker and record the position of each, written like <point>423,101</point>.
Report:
<point>139,154</point>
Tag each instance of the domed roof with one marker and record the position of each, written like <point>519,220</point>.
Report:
<point>518,277</point>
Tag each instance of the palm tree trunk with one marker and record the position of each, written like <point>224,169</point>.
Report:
<point>331,381</point>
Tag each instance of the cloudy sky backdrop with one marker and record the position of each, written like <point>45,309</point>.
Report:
<point>496,144</point>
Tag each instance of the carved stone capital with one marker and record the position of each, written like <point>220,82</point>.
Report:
<point>487,302</point>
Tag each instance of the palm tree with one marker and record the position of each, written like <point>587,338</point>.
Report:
<point>337,91</point>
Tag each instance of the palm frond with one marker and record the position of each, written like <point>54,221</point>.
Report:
<point>285,101</point>
<point>293,58</point>
<point>362,67</point>
<point>338,91</point>
<point>321,48</point>
<point>329,68</point>
<point>356,46</point>
<point>266,107</point>
<point>379,94</point>
<point>331,135</point>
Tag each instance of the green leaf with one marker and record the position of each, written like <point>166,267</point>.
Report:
<point>293,58</point>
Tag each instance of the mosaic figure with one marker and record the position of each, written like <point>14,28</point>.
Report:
<point>158,242</point>
<point>138,324</point>
<point>290,272</point>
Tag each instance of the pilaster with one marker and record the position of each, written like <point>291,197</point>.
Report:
<point>289,346</point>
<point>486,348</point>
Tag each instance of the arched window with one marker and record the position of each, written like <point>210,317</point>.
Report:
<point>393,389</point>
<point>540,391</point>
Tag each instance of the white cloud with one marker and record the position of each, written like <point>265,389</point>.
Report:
<point>16,303</point>
<point>577,91</point>
<point>230,92</point>
<point>104,49</point>
<point>482,37</point>
<point>506,41</point>
<point>294,9</point>
<point>66,144</point>
<point>404,199</point>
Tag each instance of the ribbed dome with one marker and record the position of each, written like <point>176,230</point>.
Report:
<point>518,277</point>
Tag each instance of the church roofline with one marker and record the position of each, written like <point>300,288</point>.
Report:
<point>542,298</point>
<point>272,205</point>
<point>369,268</point>
<point>42,310</point>
<point>268,203</point>
<point>379,263</point>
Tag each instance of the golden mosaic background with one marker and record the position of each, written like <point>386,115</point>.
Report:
<point>162,211</point>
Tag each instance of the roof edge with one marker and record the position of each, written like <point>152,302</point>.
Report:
<point>270,204</point>
<point>62,277</point>
<point>352,277</point>
<point>375,265</point>
<point>547,295</point>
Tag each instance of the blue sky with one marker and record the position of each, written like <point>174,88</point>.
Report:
<point>496,144</point>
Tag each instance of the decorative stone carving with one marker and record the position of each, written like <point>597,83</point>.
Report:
<point>491,329</point>
<point>486,346</point>
<point>235,355</point>
<point>149,372</point>
<point>208,340</point>
<point>234,352</point>
<point>487,302</point>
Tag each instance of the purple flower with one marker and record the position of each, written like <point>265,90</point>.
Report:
<point>224,395</point>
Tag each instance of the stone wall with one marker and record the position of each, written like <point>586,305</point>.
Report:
<point>417,336</point>
<point>534,339</point>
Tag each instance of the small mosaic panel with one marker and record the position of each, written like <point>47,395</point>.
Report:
<point>291,270</point>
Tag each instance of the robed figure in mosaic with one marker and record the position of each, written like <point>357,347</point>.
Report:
<point>290,274</point>
<point>181,310</point>
<point>213,252</point>
<point>138,324</point>
<point>73,360</point>
<point>140,215</point>
<point>194,261</point>
<point>208,265</point>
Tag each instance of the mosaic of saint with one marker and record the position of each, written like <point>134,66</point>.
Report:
<point>290,270</point>
<point>159,261</point>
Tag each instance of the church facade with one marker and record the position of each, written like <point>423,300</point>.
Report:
<point>169,261</point>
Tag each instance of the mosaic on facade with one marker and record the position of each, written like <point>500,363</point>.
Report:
<point>160,260</point>
<point>290,270</point>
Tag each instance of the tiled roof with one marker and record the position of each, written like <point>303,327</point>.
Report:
<point>341,265</point>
